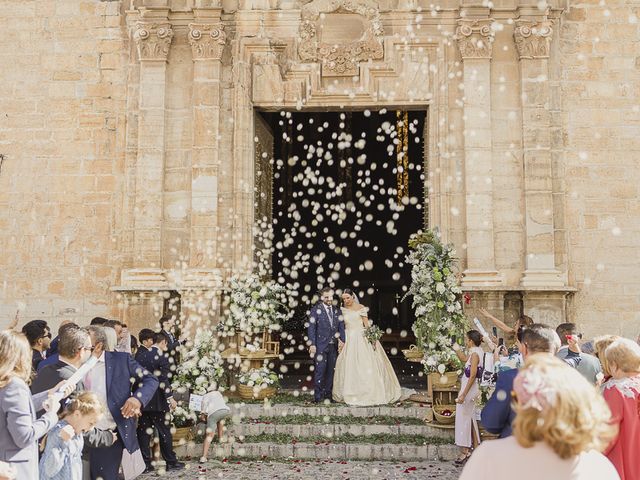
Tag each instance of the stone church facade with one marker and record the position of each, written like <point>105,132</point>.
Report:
<point>134,163</point>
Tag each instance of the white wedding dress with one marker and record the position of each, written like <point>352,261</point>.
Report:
<point>363,376</point>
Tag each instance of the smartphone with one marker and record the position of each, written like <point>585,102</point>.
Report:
<point>501,342</point>
<point>495,332</point>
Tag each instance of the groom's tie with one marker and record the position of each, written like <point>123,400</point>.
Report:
<point>330,315</point>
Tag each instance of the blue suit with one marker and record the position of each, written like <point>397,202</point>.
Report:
<point>155,413</point>
<point>120,369</point>
<point>53,359</point>
<point>497,415</point>
<point>323,333</point>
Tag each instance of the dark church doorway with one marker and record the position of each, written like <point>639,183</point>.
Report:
<point>348,190</point>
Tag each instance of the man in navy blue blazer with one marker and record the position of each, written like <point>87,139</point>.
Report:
<point>326,337</point>
<point>497,415</point>
<point>152,356</point>
<point>124,387</point>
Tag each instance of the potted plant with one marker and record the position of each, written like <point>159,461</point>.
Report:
<point>255,307</point>
<point>201,368</point>
<point>438,309</point>
<point>258,383</point>
<point>183,421</point>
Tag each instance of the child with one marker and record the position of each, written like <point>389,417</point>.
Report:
<point>216,410</point>
<point>62,457</point>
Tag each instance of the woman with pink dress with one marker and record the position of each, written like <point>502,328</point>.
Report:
<point>622,393</point>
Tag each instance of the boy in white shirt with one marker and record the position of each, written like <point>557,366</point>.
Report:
<point>214,408</point>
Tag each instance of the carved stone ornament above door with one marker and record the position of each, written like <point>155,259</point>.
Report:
<point>340,34</point>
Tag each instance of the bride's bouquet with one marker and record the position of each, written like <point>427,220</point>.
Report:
<point>373,333</point>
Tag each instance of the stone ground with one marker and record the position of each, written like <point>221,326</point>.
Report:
<point>313,470</point>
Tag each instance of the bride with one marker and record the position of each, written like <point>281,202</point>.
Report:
<point>363,376</point>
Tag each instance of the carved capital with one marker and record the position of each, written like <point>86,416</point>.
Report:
<point>475,38</point>
<point>207,41</point>
<point>533,38</point>
<point>153,40</point>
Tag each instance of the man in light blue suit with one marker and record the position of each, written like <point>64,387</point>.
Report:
<point>326,337</point>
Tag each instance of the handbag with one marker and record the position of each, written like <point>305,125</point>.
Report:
<point>488,377</point>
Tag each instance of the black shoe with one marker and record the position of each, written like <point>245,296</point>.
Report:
<point>175,466</point>
<point>149,469</point>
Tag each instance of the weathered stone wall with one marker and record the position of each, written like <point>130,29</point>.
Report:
<point>598,69</point>
<point>92,129</point>
<point>62,92</point>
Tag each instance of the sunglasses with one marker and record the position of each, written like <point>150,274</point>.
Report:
<point>46,335</point>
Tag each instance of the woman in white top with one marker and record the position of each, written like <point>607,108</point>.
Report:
<point>466,426</point>
<point>561,426</point>
<point>215,409</point>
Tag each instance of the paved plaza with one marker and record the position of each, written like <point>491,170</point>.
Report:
<point>316,470</point>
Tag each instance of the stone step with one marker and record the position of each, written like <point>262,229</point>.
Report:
<point>332,430</point>
<point>333,410</point>
<point>348,451</point>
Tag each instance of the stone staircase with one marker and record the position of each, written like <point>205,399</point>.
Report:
<point>337,432</point>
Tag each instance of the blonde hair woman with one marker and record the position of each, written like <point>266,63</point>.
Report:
<point>622,394</point>
<point>600,345</point>
<point>19,429</point>
<point>561,426</point>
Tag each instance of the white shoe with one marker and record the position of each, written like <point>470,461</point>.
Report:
<point>203,460</point>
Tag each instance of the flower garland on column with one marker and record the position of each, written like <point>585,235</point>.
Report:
<point>436,300</point>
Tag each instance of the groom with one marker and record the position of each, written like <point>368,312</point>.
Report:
<point>326,338</point>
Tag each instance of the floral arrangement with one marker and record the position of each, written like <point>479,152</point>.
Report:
<point>436,300</point>
<point>201,368</point>
<point>181,416</point>
<point>373,333</point>
<point>254,306</point>
<point>485,394</point>
<point>259,377</point>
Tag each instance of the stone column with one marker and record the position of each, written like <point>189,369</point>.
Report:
<point>152,36</point>
<point>475,38</point>
<point>207,39</point>
<point>532,38</point>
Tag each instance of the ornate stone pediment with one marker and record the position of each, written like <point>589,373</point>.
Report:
<point>340,34</point>
<point>533,38</point>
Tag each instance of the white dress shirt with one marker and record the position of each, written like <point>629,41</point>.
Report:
<point>96,382</point>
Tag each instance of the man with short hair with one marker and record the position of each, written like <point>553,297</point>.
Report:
<point>39,336</point>
<point>589,366</point>
<point>152,356</point>
<point>52,353</point>
<point>326,336</point>
<point>124,387</point>
<point>497,414</point>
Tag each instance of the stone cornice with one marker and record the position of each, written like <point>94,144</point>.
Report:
<point>207,40</point>
<point>533,38</point>
<point>475,37</point>
<point>153,40</point>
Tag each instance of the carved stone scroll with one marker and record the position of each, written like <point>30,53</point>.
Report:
<point>475,38</point>
<point>153,40</point>
<point>533,38</point>
<point>207,41</point>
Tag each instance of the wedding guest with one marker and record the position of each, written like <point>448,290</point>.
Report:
<point>522,322</point>
<point>133,345</point>
<point>112,339</point>
<point>497,415</point>
<point>39,337</point>
<point>168,327</point>
<point>19,428</point>
<point>600,344</point>
<point>466,431</point>
<point>124,387</point>
<point>53,347</point>
<point>52,353</point>
<point>622,394</point>
<point>589,366</point>
<point>98,321</point>
<point>62,457</point>
<point>155,414</point>
<point>560,428</point>
<point>215,410</point>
